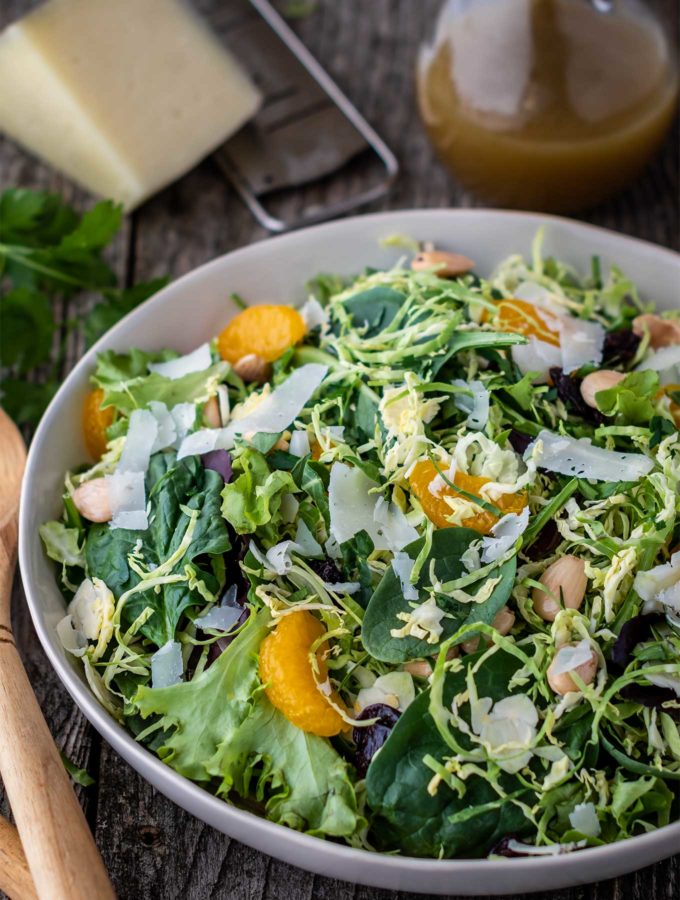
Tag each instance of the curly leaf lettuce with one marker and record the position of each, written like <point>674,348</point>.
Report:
<point>221,724</point>
<point>252,501</point>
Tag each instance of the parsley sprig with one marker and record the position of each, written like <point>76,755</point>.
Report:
<point>49,254</point>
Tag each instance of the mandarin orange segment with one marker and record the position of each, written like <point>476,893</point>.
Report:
<point>267,331</point>
<point>95,421</point>
<point>438,510</point>
<point>286,671</point>
<point>673,407</point>
<point>520,317</point>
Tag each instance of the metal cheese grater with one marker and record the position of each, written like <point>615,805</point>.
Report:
<point>306,129</point>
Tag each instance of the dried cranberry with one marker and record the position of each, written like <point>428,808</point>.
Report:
<point>633,632</point>
<point>519,441</point>
<point>219,461</point>
<point>547,541</point>
<point>620,346</point>
<point>569,391</point>
<point>652,696</point>
<point>369,740</point>
<point>326,569</point>
<point>502,848</point>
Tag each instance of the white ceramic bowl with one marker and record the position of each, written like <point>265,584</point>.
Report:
<point>190,311</point>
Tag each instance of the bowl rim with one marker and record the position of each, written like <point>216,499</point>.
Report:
<point>190,795</point>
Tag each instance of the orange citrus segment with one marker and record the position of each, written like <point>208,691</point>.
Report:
<point>267,331</point>
<point>520,317</point>
<point>95,422</point>
<point>286,671</point>
<point>673,407</point>
<point>438,510</point>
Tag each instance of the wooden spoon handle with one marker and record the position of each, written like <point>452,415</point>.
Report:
<point>15,878</point>
<point>61,853</point>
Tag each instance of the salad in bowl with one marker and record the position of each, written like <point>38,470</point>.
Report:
<point>399,568</point>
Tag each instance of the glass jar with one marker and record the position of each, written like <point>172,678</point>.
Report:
<point>547,104</point>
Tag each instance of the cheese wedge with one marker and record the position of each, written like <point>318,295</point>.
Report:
<point>124,96</point>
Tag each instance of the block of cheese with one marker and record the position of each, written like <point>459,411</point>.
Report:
<point>124,96</point>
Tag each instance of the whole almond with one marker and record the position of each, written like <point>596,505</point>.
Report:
<point>562,682</point>
<point>503,622</point>
<point>662,332</point>
<point>601,380</point>
<point>564,585</point>
<point>211,413</point>
<point>253,369</point>
<point>446,265</point>
<point>91,500</point>
<point>420,668</point>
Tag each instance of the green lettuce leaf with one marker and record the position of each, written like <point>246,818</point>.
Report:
<point>128,385</point>
<point>203,714</point>
<point>221,724</point>
<point>252,501</point>
<point>301,778</point>
<point>632,399</point>
<point>62,544</point>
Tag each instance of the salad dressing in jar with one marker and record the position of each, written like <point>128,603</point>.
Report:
<point>547,104</point>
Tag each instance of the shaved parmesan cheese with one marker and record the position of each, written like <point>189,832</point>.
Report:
<point>284,404</point>
<point>505,532</point>
<point>403,567</point>
<point>571,656</point>
<point>127,499</point>
<point>579,458</point>
<point>167,430</point>
<point>394,689</point>
<point>583,818</point>
<point>299,444</point>
<point>581,342</point>
<point>350,503</point>
<point>332,548</point>
<point>277,558</point>
<point>476,406</point>
<point>353,508</point>
<point>392,525</point>
<point>202,441</point>
<point>196,361</point>
<point>661,584</point>
<point>536,356</point>
<point>223,403</point>
<point>666,362</point>
<point>220,618</point>
<point>313,314</point>
<point>139,442</point>
<point>184,417</point>
<point>342,587</point>
<point>166,665</point>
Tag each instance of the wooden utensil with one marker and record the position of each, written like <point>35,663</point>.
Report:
<point>15,878</point>
<point>61,853</point>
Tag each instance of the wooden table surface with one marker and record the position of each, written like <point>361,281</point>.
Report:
<point>151,847</point>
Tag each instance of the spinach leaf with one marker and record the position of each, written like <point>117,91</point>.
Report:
<point>419,822</point>
<point>374,308</point>
<point>178,492</point>
<point>448,546</point>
